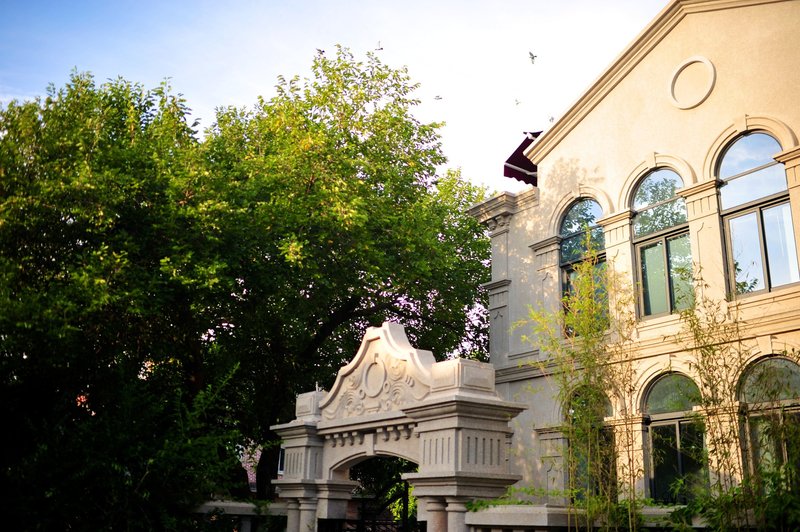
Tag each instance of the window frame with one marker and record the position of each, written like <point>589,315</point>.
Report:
<point>566,267</point>
<point>755,206</point>
<point>662,236</point>
<point>770,409</point>
<point>677,420</point>
<point>608,471</point>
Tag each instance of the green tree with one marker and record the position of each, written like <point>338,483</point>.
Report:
<point>162,297</point>
<point>326,204</point>
<point>107,424</point>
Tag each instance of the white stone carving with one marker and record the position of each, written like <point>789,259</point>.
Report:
<point>386,373</point>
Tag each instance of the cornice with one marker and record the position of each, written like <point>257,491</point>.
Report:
<point>552,241</point>
<point>789,157</point>
<point>623,216</point>
<point>496,285</point>
<point>699,188</point>
<point>641,46</point>
<point>504,203</point>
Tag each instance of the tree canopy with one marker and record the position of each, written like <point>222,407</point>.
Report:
<point>163,296</point>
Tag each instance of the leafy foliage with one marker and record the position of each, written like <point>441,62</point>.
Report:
<point>162,297</point>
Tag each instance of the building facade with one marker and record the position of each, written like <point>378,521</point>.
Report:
<point>683,161</point>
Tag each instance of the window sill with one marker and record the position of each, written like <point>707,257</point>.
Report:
<point>655,324</point>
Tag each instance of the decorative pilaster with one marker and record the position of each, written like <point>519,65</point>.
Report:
<point>705,236</point>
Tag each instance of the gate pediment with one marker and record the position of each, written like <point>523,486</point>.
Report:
<point>386,374</point>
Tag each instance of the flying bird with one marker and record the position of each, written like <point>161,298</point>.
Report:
<point>533,57</point>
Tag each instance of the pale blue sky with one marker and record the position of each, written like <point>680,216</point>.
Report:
<point>471,57</point>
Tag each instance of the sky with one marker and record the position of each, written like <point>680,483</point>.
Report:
<point>472,58</point>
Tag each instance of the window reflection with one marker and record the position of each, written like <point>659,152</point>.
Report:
<point>770,390</point>
<point>748,152</point>
<point>676,442</point>
<point>580,222</point>
<point>781,250</point>
<point>748,267</point>
<point>762,253</point>
<point>656,204</point>
<point>659,225</point>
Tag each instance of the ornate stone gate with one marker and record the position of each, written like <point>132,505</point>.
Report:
<point>394,400</point>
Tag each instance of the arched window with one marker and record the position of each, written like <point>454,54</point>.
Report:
<point>579,228</point>
<point>754,199</point>
<point>676,439</point>
<point>770,395</point>
<point>661,236</point>
<point>592,456</point>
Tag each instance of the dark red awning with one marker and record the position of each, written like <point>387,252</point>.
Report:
<point>520,167</point>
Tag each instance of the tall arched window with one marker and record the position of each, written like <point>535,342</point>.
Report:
<point>770,395</point>
<point>592,466</point>
<point>676,439</point>
<point>579,228</point>
<point>754,199</point>
<point>661,236</point>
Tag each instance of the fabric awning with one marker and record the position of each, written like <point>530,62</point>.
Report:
<point>520,167</point>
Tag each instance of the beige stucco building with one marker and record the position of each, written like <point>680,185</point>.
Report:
<point>683,159</point>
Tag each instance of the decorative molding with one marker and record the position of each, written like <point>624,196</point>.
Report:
<point>517,373</point>
<point>498,224</point>
<point>552,242</point>
<point>386,373</point>
<point>705,186</point>
<point>697,94</point>
<point>620,217</point>
<point>504,204</point>
<point>790,157</point>
<point>496,285</point>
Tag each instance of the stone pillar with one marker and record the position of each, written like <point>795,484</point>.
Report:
<point>292,516</point>
<point>308,515</point>
<point>437,516</point>
<point>630,437</point>
<point>456,515</point>
<point>705,237</point>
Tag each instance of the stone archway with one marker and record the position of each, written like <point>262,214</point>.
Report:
<point>395,400</point>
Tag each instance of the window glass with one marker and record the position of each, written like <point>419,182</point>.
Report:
<point>750,151</point>
<point>749,170</point>
<point>591,443</point>
<point>781,250</point>
<point>584,213</point>
<point>664,260</point>
<point>672,393</point>
<point>680,271</point>
<point>654,279</point>
<point>748,266</point>
<point>582,216</point>
<point>772,424</point>
<point>676,443</point>
<point>656,203</point>
<point>750,187</point>
<point>772,379</point>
